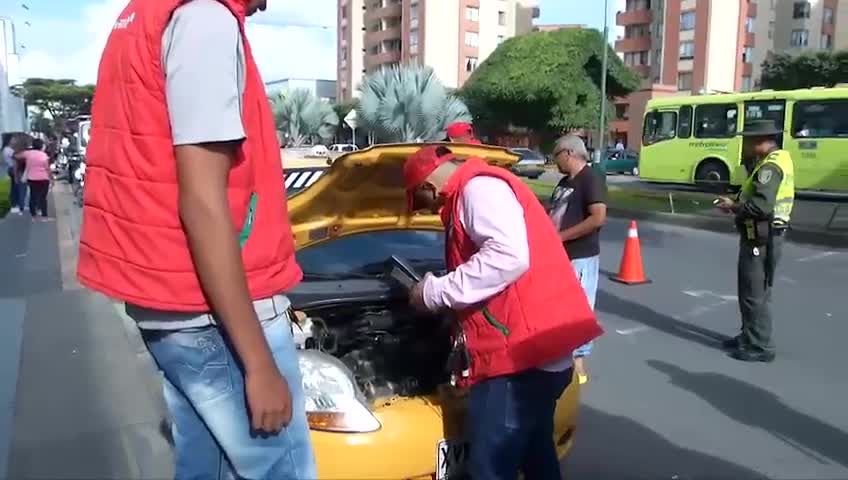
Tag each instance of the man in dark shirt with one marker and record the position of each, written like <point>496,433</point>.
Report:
<point>578,211</point>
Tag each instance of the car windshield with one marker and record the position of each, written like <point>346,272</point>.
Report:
<point>365,254</point>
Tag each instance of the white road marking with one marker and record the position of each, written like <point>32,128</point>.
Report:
<point>708,293</point>
<point>817,256</point>
<point>630,331</point>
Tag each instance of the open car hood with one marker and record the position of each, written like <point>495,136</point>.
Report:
<point>363,191</point>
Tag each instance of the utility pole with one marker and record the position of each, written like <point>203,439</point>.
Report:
<point>600,147</point>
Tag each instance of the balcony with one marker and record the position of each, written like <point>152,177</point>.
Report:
<point>634,44</point>
<point>752,9</point>
<point>372,38</point>
<point>750,39</point>
<point>634,17</point>
<point>390,11</point>
<point>375,60</point>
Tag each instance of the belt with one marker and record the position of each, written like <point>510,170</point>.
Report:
<point>266,309</point>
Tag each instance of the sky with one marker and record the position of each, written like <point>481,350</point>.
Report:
<point>64,38</point>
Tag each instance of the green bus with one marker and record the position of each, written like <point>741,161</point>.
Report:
<point>693,140</point>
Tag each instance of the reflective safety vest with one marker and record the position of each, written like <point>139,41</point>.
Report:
<point>785,193</point>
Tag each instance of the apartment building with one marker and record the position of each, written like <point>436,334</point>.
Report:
<point>451,36</point>
<point>683,47</point>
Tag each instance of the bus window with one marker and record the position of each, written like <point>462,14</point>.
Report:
<point>684,124</point>
<point>774,110</point>
<point>820,119</point>
<point>716,121</point>
<point>659,126</point>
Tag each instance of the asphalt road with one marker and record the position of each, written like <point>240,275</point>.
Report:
<point>664,402</point>
<point>78,397</point>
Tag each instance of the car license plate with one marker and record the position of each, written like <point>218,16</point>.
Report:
<point>451,458</point>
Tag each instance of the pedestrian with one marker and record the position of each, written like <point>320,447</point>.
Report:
<point>183,147</point>
<point>762,212</point>
<point>578,210</point>
<point>461,132</point>
<point>507,269</point>
<point>36,165</point>
<point>9,144</point>
<point>22,143</point>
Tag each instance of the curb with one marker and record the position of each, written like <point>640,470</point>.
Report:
<point>723,225</point>
<point>836,239</point>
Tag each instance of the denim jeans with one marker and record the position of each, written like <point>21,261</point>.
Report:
<point>510,425</point>
<point>587,272</point>
<point>17,191</point>
<point>204,390</point>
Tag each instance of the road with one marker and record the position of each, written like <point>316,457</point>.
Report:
<point>78,396</point>
<point>665,402</point>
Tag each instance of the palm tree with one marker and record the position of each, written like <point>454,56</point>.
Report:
<point>303,118</point>
<point>407,104</point>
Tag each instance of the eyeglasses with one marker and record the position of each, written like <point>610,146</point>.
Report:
<point>557,152</point>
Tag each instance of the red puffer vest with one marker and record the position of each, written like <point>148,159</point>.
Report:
<point>541,317</point>
<point>132,245</point>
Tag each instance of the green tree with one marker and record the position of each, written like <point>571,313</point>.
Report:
<point>546,81</point>
<point>303,117</point>
<point>61,99</point>
<point>819,69</point>
<point>407,104</point>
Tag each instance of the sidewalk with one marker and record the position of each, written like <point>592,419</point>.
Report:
<point>78,394</point>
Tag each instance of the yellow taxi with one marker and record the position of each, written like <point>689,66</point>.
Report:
<point>379,400</point>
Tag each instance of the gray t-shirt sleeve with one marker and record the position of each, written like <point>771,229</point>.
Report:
<point>203,61</point>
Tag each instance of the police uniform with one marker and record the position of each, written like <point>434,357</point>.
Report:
<point>762,212</point>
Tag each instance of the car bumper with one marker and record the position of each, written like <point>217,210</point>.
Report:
<point>528,171</point>
<point>406,445</point>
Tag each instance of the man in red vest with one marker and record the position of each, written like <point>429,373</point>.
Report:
<point>519,318</point>
<point>461,132</point>
<point>184,220</point>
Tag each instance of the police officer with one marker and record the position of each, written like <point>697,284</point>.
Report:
<point>762,212</point>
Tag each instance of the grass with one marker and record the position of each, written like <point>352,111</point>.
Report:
<point>645,200</point>
<point>5,185</point>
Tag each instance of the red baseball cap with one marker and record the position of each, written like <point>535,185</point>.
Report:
<point>419,166</point>
<point>460,129</point>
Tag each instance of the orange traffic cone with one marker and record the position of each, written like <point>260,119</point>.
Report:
<point>631,272</point>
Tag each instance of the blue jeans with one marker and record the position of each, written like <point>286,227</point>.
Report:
<point>510,425</point>
<point>17,191</point>
<point>204,390</point>
<point>587,272</point>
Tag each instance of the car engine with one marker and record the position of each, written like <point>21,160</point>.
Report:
<point>391,350</point>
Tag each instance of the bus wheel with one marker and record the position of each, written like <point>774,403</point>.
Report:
<point>713,176</point>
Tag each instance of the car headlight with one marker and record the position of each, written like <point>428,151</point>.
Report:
<point>333,401</point>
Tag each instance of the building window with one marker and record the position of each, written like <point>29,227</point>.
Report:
<point>470,64</point>
<point>826,41</point>
<point>800,38</point>
<point>827,16</point>
<point>634,59</point>
<point>746,84</point>
<point>471,39</point>
<point>636,31</point>
<point>749,24</point>
<point>747,55</point>
<point>635,5</point>
<point>500,39</point>
<point>413,59</point>
<point>687,50</point>
<point>621,111</point>
<point>413,37</point>
<point>801,10</point>
<point>684,81</point>
<point>472,14</point>
<point>501,18</point>
<point>687,21</point>
<point>771,30</point>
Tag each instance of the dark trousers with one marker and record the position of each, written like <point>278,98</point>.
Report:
<point>38,190</point>
<point>14,190</point>
<point>510,426</point>
<point>755,295</point>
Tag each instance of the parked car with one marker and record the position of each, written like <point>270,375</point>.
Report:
<point>531,163</point>
<point>343,147</point>
<point>622,161</point>
<point>379,401</point>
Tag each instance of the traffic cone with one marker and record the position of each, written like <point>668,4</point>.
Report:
<point>631,272</point>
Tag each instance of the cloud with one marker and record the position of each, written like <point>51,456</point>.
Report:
<point>282,48</point>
